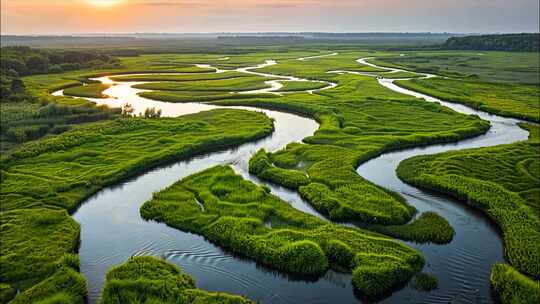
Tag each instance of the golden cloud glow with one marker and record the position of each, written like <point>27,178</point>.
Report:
<point>104,3</point>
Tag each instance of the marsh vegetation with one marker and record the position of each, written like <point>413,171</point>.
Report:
<point>57,151</point>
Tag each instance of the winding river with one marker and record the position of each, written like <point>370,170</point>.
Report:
<point>112,229</point>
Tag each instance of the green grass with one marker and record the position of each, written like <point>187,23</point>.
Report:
<point>152,280</point>
<point>397,75</point>
<point>94,90</point>
<point>292,86</point>
<point>428,227</point>
<point>512,67</point>
<point>502,181</point>
<point>223,85</point>
<point>33,243</point>
<point>187,77</point>
<point>198,96</point>
<point>245,218</point>
<point>513,100</point>
<point>513,287</point>
<point>261,165</point>
<point>65,285</point>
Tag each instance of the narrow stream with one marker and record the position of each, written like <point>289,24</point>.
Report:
<point>112,229</point>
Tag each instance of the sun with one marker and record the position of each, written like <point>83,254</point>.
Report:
<point>104,3</point>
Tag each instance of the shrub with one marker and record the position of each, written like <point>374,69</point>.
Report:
<point>425,282</point>
<point>339,253</point>
<point>374,275</point>
<point>152,280</point>
<point>152,113</point>
<point>429,227</point>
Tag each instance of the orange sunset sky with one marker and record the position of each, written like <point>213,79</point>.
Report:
<point>128,16</point>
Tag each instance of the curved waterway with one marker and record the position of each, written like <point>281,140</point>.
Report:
<point>463,266</point>
<point>112,229</point>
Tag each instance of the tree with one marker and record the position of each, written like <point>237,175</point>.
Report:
<point>152,113</point>
<point>127,110</point>
<point>37,63</point>
<point>9,63</point>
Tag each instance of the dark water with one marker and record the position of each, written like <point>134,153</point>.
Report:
<point>112,229</point>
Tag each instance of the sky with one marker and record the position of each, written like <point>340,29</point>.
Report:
<point>205,16</point>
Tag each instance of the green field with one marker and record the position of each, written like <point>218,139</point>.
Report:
<point>223,85</point>
<point>185,77</point>
<point>513,100</point>
<point>292,86</point>
<point>489,66</point>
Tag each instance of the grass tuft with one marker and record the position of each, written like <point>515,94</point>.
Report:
<point>152,280</point>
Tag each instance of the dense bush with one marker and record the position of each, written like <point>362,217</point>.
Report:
<point>151,280</point>
<point>234,217</point>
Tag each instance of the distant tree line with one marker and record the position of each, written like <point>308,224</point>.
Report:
<point>504,42</point>
<point>23,60</point>
<point>18,61</point>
